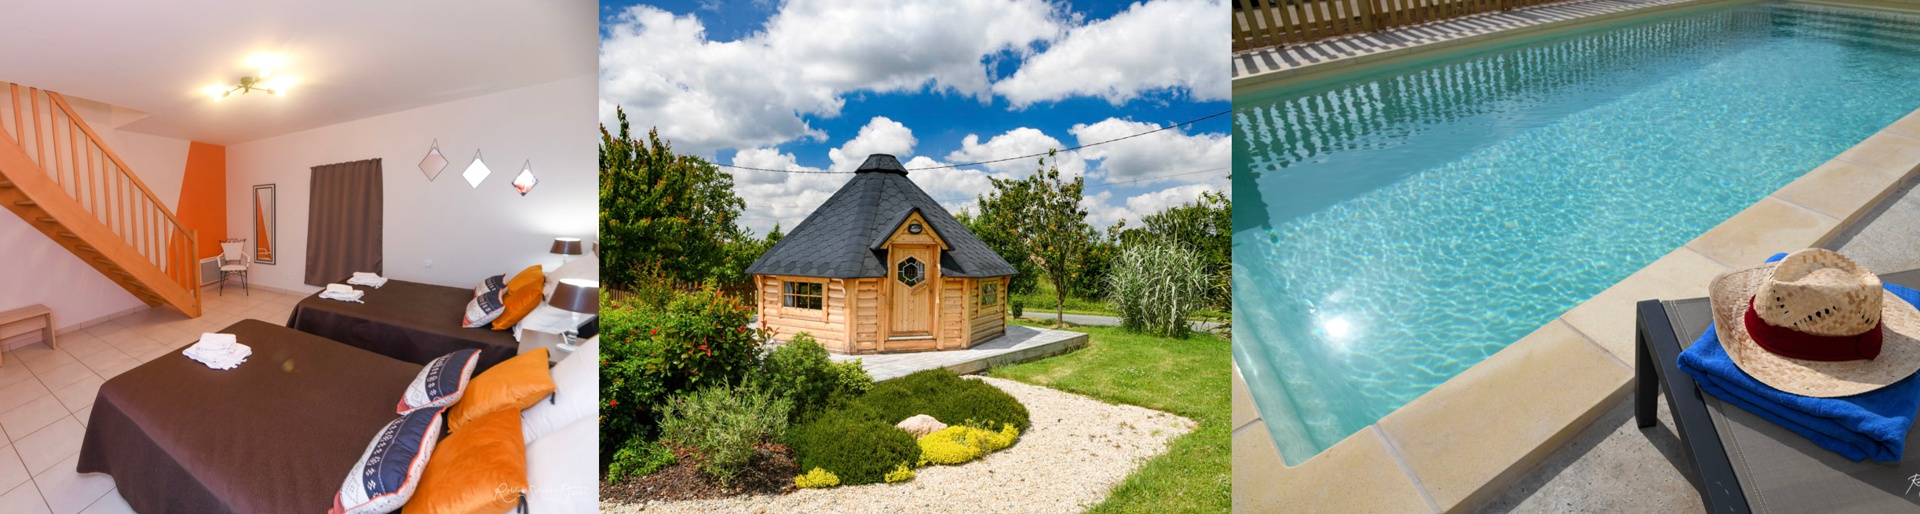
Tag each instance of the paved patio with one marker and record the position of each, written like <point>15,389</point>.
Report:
<point>1614,466</point>
<point>1020,344</point>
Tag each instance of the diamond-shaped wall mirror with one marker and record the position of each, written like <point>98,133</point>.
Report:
<point>525,181</point>
<point>476,172</point>
<point>434,162</point>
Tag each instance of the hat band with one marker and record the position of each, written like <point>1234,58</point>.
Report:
<point>1787,342</point>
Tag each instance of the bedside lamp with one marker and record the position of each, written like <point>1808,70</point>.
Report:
<point>567,247</point>
<point>580,297</point>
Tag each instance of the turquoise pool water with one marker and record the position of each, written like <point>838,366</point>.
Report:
<point>1395,227</point>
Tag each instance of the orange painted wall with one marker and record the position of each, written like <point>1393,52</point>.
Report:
<point>203,196</point>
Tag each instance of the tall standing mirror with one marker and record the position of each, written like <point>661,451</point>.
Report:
<point>263,224</point>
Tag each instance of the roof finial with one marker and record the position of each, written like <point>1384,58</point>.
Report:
<point>882,163</point>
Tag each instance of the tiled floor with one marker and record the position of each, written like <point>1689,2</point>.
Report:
<point>46,395</point>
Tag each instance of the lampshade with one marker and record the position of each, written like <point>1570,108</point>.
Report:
<point>577,295</point>
<point>566,246</point>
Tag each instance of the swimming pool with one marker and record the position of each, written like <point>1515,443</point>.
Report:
<point>1397,225</point>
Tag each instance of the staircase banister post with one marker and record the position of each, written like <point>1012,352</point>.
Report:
<point>124,169</point>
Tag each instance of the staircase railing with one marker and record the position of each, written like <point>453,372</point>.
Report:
<point>44,125</point>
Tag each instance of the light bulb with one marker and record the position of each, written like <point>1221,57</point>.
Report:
<point>216,92</point>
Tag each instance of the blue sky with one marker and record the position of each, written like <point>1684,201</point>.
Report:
<point>818,84</point>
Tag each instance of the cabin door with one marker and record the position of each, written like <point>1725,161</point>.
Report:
<point>913,277</point>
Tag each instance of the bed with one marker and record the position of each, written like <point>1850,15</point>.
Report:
<point>276,434</point>
<point>409,321</point>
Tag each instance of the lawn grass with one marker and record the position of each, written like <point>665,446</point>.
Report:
<point>1041,300</point>
<point>1185,377</point>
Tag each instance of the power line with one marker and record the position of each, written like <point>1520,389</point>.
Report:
<point>1028,156</point>
<point>1153,177</point>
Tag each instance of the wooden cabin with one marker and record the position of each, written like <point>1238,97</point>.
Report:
<point>881,267</point>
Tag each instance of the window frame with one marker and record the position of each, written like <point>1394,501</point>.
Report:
<point>989,292</point>
<point>795,299</point>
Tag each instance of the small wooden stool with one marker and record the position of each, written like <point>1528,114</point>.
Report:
<point>28,313</point>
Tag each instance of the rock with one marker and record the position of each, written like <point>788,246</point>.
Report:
<point>921,425</point>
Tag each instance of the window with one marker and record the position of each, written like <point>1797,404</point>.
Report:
<point>911,272</point>
<point>804,295</point>
<point>989,293</point>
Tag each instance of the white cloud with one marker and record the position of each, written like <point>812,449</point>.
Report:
<point>1144,158</point>
<point>1104,209</point>
<point>1160,45</point>
<point>1020,141</point>
<point>779,198</point>
<point>880,135</point>
<point>758,91</point>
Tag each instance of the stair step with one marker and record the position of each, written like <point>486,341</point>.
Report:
<point>68,234</point>
<point>25,203</point>
<point>44,219</point>
<point>6,184</point>
<point>85,248</point>
<point>106,261</point>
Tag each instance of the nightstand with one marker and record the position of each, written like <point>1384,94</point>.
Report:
<point>530,339</point>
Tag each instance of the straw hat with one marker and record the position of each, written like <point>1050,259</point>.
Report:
<point>1815,324</point>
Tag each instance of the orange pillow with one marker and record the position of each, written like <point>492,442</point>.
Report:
<point>482,469</point>
<point>523,294</point>
<point>514,384</point>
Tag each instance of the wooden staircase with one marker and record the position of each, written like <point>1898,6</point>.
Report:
<point>58,175</point>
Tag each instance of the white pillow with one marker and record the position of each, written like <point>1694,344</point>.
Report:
<point>576,394</point>
<point>584,267</point>
<point>561,474</point>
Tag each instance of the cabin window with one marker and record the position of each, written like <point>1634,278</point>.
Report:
<point>804,295</point>
<point>989,293</point>
<point>911,272</point>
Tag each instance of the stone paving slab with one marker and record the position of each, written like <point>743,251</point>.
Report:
<point>1020,344</point>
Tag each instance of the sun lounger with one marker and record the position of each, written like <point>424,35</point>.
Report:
<point>1744,463</point>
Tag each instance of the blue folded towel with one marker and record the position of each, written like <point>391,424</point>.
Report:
<point>1867,425</point>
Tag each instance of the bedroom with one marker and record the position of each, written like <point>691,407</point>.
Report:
<point>212,166</point>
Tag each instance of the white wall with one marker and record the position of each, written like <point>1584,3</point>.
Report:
<point>466,234</point>
<point>35,270</point>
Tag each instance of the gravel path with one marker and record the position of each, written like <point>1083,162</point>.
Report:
<point>1077,450</point>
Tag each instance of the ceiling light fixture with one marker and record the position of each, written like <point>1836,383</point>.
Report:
<point>264,82</point>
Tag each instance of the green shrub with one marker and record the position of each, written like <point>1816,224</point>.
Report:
<point>801,371</point>
<point>638,457</point>
<point>816,479</point>
<point>945,396</point>
<point>1019,307</point>
<point>724,425</point>
<point>647,354</point>
<point>858,449</point>
<point>1155,286</point>
<point>961,443</point>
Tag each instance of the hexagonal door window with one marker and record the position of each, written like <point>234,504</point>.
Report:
<point>911,272</point>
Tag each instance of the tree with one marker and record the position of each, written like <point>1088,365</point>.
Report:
<point>1042,212</point>
<point>661,214</point>
<point>995,226</point>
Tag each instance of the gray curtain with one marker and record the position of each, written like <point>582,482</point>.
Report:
<point>343,221</point>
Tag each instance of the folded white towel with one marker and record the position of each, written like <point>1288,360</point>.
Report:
<point>216,342</point>
<point>339,288</point>
<point>218,352</point>
<point>349,296</point>
<point>362,278</point>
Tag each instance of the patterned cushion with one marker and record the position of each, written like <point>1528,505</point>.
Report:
<point>493,283</point>
<point>484,308</point>
<point>390,469</point>
<point>441,382</point>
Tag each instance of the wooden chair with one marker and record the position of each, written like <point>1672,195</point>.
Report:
<point>234,260</point>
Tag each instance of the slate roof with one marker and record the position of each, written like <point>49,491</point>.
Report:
<point>837,240</point>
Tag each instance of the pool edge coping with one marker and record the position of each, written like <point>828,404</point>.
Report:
<point>1809,211</point>
<point>1248,84</point>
